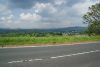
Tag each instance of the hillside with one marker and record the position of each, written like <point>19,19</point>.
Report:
<point>67,29</point>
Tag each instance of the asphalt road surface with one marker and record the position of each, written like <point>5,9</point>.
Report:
<point>81,55</point>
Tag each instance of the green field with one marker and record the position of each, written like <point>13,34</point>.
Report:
<point>16,41</point>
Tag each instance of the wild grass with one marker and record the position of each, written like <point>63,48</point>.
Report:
<point>25,40</point>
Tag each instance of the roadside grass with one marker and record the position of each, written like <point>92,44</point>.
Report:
<point>16,41</point>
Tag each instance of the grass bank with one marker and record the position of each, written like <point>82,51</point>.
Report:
<point>17,41</point>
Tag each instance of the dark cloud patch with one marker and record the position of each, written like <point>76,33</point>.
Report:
<point>2,1</point>
<point>72,2</point>
<point>20,3</point>
<point>24,4</point>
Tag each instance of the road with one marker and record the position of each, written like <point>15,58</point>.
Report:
<point>81,55</point>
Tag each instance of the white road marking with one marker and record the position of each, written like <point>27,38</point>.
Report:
<point>25,61</point>
<point>16,61</point>
<point>38,59</point>
<point>55,57</point>
<point>75,54</point>
<point>30,60</point>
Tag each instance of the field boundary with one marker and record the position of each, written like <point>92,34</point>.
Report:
<point>49,45</point>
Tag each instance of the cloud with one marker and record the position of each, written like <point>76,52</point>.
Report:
<point>42,13</point>
<point>7,18</point>
<point>44,7</point>
<point>30,17</point>
<point>24,4</point>
<point>82,7</point>
<point>6,21</point>
<point>4,10</point>
<point>20,3</point>
<point>59,2</point>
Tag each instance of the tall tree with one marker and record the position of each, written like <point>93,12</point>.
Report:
<point>92,18</point>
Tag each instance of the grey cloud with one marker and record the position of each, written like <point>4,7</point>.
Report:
<point>65,15</point>
<point>26,4</point>
<point>72,2</point>
<point>20,3</point>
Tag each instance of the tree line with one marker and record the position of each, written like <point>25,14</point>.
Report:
<point>38,34</point>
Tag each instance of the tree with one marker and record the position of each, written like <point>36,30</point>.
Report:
<point>92,18</point>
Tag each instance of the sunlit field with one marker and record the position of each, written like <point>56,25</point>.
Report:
<point>26,40</point>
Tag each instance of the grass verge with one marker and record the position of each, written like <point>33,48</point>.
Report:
<point>20,41</point>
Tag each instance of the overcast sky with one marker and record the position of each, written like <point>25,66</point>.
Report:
<point>43,13</point>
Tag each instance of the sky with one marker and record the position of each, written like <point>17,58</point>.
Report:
<point>33,14</point>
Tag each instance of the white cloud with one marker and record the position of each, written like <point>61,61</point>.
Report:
<point>10,17</point>
<point>82,7</point>
<point>3,18</point>
<point>59,2</point>
<point>39,7</point>
<point>6,18</point>
<point>30,17</point>
<point>4,9</point>
<point>6,21</point>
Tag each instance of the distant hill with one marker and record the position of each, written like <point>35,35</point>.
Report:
<point>67,29</point>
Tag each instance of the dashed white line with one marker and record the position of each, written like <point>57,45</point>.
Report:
<point>16,61</point>
<point>38,59</point>
<point>30,60</point>
<point>75,54</point>
<point>55,57</point>
<point>24,61</point>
